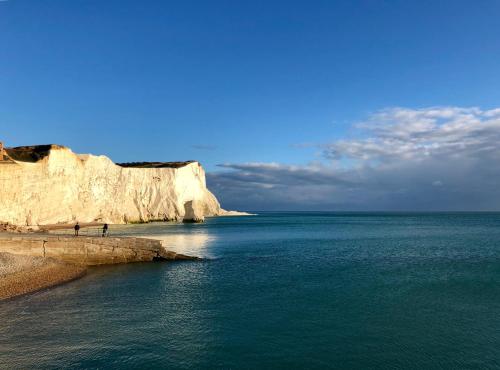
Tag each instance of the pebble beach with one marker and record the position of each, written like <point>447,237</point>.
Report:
<point>26,274</point>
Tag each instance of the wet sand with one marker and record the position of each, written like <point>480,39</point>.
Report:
<point>25,274</point>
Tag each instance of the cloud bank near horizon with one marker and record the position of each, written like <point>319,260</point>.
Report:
<point>438,158</point>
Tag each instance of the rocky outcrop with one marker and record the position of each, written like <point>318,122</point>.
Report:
<point>88,251</point>
<point>83,250</point>
<point>193,212</point>
<point>50,184</point>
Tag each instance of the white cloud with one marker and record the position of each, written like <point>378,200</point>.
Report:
<point>401,159</point>
<point>399,133</point>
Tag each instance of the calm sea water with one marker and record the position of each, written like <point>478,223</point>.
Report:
<point>279,290</point>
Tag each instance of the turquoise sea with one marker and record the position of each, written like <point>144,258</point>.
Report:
<point>279,290</point>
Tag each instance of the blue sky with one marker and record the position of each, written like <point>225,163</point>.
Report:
<point>233,82</point>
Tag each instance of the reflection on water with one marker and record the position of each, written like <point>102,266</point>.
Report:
<point>173,237</point>
<point>193,245</point>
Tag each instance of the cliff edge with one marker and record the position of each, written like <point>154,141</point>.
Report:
<point>50,184</point>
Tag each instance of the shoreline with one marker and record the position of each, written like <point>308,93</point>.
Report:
<point>6,227</point>
<point>33,262</point>
<point>28,274</point>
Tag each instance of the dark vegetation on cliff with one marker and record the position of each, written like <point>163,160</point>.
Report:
<point>33,153</point>
<point>155,164</point>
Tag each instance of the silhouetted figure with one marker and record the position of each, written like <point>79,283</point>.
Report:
<point>105,230</point>
<point>77,228</point>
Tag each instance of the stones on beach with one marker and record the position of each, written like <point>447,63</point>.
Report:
<point>26,274</point>
<point>7,227</point>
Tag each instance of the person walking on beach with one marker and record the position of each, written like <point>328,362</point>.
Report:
<point>105,230</point>
<point>77,228</point>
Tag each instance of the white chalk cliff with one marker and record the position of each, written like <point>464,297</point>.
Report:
<point>60,186</point>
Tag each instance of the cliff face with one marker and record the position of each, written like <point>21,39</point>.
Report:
<point>59,186</point>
